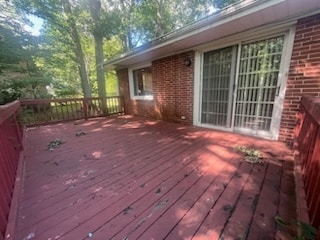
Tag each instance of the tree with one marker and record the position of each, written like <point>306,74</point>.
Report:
<point>61,16</point>
<point>19,77</point>
<point>95,11</point>
<point>127,22</point>
<point>145,20</point>
<point>71,25</point>
<point>77,31</point>
<point>15,42</point>
<point>56,59</point>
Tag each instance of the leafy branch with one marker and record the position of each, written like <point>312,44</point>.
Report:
<point>305,230</point>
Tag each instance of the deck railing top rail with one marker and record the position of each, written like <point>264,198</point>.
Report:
<point>48,100</point>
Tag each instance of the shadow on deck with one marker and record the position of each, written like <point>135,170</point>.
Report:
<point>135,178</point>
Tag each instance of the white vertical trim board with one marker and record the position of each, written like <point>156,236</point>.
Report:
<point>235,85</point>
<point>283,77</point>
<point>197,88</point>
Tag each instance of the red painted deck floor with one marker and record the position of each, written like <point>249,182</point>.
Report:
<point>134,178</point>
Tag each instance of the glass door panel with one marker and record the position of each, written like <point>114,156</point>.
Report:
<point>258,83</point>
<point>218,69</point>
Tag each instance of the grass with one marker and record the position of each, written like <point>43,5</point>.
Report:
<point>252,155</point>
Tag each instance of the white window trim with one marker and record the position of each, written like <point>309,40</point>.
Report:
<point>131,82</point>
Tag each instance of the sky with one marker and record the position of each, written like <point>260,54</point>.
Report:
<point>37,24</point>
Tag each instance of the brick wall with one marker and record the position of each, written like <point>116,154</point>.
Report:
<point>173,90</point>
<point>304,73</point>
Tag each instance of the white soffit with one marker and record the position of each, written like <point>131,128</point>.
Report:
<point>242,17</point>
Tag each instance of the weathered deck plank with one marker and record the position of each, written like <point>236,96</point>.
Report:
<point>133,178</point>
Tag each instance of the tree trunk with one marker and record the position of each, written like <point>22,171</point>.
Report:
<point>95,11</point>
<point>78,50</point>
<point>98,41</point>
<point>83,72</point>
<point>127,8</point>
<point>160,18</point>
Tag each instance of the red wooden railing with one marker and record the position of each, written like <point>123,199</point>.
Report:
<point>46,111</point>
<point>38,112</point>
<point>10,148</point>
<point>309,148</point>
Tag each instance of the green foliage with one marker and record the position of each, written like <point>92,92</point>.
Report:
<point>8,93</point>
<point>56,60</point>
<point>19,76</point>
<point>142,21</point>
<point>112,87</point>
<point>16,44</point>
<point>11,49</point>
<point>61,20</point>
<point>27,87</point>
<point>305,230</point>
<point>252,155</point>
<point>65,51</point>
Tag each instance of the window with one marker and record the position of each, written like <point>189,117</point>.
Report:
<point>141,83</point>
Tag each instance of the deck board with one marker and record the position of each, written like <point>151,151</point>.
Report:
<point>136,178</point>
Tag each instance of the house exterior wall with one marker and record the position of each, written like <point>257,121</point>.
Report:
<point>173,82</point>
<point>304,73</point>
<point>173,90</point>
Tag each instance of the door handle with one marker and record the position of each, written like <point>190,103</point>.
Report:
<point>277,91</point>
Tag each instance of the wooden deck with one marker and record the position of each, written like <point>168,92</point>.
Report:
<point>134,178</point>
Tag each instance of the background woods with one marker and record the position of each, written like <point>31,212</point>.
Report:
<point>76,37</point>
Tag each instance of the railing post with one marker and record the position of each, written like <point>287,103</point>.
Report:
<point>18,126</point>
<point>104,106</point>
<point>16,123</point>
<point>122,105</point>
<point>85,108</point>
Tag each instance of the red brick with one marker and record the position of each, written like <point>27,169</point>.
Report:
<point>172,85</point>
<point>304,71</point>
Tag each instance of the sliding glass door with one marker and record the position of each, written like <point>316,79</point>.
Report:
<point>240,92</point>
